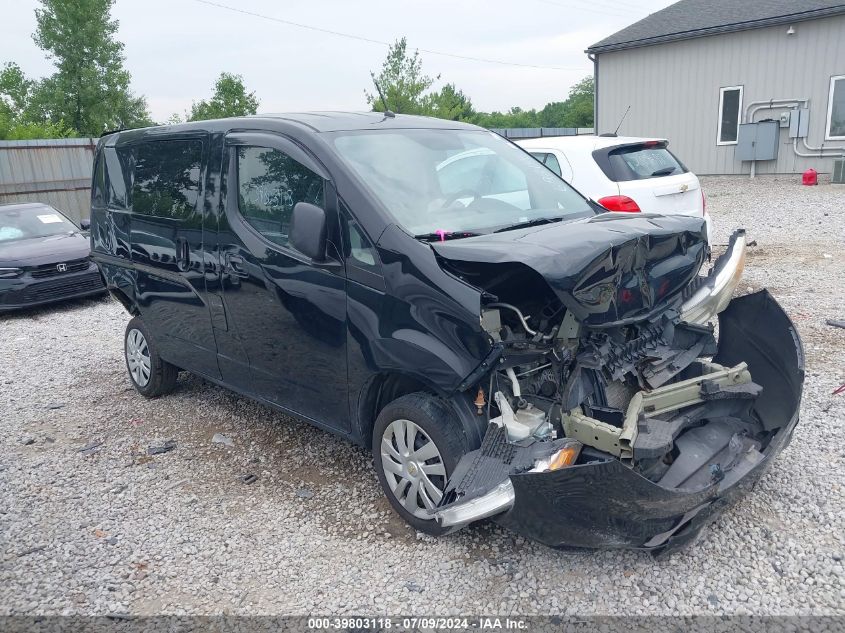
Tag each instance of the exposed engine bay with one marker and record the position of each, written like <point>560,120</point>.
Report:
<point>579,382</point>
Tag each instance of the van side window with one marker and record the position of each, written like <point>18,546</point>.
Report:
<point>360,248</point>
<point>167,178</point>
<point>270,183</point>
<point>118,169</point>
<point>98,193</point>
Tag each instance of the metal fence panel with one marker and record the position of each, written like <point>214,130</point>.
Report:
<point>540,132</point>
<point>54,171</point>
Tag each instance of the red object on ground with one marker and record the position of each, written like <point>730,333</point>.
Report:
<point>810,177</point>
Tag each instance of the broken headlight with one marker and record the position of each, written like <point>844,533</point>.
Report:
<point>715,293</point>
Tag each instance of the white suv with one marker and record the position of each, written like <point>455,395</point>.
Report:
<point>624,173</point>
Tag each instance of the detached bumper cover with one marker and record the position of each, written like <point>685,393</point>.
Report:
<point>609,505</point>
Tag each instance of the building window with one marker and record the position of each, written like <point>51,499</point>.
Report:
<point>730,112</point>
<point>836,109</point>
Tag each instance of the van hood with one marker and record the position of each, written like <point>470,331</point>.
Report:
<point>608,268</point>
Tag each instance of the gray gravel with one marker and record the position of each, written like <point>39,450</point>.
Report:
<point>92,523</point>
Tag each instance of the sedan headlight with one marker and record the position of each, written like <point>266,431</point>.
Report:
<point>716,291</point>
<point>10,273</point>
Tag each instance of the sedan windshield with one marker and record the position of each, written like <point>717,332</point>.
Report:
<point>457,183</point>
<point>23,223</point>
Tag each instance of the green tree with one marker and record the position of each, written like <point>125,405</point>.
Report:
<point>16,108</point>
<point>402,82</point>
<point>230,98</point>
<point>449,103</point>
<point>515,117</point>
<point>15,90</point>
<point>576,111</point>
<point>90,89</point>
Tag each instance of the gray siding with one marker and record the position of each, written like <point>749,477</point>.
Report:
<point>56,172</point>
<point>673,90</point>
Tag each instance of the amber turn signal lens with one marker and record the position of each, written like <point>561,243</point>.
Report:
<point>565,457</point>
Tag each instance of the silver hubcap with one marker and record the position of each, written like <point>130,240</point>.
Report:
<point>413,467</point>
<point>138,357</point>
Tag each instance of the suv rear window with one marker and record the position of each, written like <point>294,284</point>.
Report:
<point>638,162</point>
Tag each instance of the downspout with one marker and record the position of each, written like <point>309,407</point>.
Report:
<point>595,60</point>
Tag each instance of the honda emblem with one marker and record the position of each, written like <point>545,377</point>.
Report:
<point>62,268</point>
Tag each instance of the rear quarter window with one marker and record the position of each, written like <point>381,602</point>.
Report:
<point>638,162</point>
<point>167,178</point>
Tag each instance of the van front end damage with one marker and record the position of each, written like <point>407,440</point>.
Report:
<point>632,434</point>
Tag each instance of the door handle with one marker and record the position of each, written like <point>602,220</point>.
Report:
<point>183,254</point>
<point>233,265</point>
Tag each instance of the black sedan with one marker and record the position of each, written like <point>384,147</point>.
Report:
<point>44,257</point>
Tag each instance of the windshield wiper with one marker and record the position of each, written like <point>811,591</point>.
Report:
<point>442,236</point>
<point>663,172</point>
<point>524,225</point>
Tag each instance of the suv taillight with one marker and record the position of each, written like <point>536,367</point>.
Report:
<point>703,203</point>
<point>619,203</point>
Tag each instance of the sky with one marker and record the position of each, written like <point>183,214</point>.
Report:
<point>175,49</point>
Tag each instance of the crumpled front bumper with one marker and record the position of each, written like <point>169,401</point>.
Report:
<point>608,505</point>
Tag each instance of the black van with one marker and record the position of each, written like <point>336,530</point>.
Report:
<point>428,289</point>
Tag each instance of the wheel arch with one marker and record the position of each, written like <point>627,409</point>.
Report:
<point>385,387</point>
<point>125,300</point>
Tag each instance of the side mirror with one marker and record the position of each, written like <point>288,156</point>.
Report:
<point>85,225</point>
<point>308,230</point>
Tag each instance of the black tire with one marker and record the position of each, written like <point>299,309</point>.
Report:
<point>435,422</point>
<point>138,353</point>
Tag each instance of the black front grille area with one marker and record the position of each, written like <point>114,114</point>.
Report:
<point>52,270</point>
<point>60,288</point>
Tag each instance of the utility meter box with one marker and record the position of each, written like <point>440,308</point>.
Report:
<point>758,141</point>
<point>799,123</point>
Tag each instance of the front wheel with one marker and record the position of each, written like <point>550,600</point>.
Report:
<point>417,442</point>
<point>150,375</point>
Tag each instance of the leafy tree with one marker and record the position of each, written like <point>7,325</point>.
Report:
<point>15,90</point>
<point>16,116</point>
<point>449,103</point>
<point>90,89</point>
<point>406,87</point>
<point>515,117</point>
<point>401,81</point>
<point>230,99</point>
<point>576,111</point>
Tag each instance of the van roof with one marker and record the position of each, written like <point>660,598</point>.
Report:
<point>337,121</point>
<point>319,122</point>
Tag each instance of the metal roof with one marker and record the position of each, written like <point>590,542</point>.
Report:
<point>698,18</point>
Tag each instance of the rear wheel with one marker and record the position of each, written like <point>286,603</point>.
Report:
<point>150,375</point>
<point>417,442</point>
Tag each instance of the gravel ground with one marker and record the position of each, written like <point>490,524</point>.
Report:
<point>92,524</point>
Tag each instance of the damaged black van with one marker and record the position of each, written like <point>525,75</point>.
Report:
<point>427,289</point>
